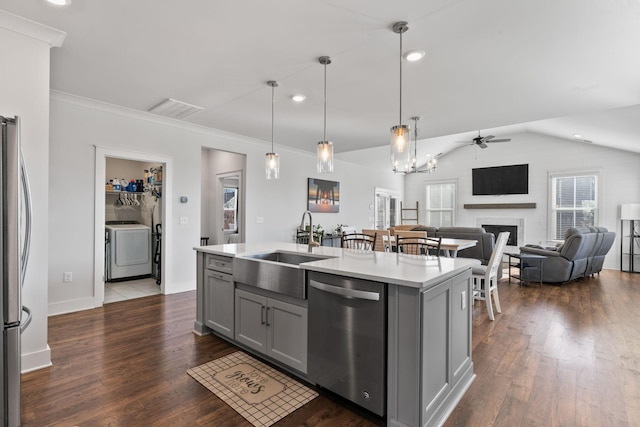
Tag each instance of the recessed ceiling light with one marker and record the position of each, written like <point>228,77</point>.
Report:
<point>60,2</point>
<point>577,136</point>
<point>414,55</point>
<point>298,98</point>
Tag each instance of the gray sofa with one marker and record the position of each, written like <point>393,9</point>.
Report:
<point>481,251</point>
<point>581,254</point>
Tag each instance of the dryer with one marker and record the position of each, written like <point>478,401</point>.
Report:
<point>128,251</point>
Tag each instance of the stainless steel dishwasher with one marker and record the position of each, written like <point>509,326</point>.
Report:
<point>348,338</point>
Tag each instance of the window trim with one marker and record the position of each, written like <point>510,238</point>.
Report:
<point>551,220</point>
<point>455,198</point>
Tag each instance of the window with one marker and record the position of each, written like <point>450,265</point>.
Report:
<point>441,202</point>
<point>230,207</point>
<point>574,203</point>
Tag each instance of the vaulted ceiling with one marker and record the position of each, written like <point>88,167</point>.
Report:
<point>556,67</point>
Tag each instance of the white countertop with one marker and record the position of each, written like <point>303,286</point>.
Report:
<point>400,269</point>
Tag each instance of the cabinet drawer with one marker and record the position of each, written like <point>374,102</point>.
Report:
<point>219,263</point>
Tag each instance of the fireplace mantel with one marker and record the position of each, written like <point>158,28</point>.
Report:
<point>500,206</point>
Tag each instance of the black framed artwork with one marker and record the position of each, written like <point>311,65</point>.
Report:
<point>323,195</point>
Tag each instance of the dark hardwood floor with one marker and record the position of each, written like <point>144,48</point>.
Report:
<point>556,356</point>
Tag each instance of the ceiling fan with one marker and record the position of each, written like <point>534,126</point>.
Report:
<point>481,141</point>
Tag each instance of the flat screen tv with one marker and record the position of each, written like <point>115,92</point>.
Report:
<point>496,180</point>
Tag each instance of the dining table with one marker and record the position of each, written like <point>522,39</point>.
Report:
<point>448,246</point>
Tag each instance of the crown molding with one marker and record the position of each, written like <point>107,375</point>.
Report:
<point>35,30</point>
<point>167,121</point>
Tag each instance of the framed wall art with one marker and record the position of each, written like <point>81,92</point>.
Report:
<point>323,195</point>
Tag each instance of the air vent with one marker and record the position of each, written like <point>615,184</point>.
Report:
<point>175,109</point>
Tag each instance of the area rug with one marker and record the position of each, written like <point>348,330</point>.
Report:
<point>256,391</point>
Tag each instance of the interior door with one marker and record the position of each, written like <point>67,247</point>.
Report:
<point>387,208</point>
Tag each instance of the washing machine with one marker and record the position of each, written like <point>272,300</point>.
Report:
<point>128,251</point>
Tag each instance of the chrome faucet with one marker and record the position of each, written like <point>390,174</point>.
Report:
<point>311,242</point>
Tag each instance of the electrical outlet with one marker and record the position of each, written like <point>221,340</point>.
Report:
<point>68,277</point>
<point>259,220</point>
<point>184,220</point>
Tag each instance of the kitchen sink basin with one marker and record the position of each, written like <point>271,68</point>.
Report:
<point>286,257</point>
<point>275,271</point>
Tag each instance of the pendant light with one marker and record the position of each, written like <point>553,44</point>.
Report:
<point>272,160</point>
<point>400,146</point>
<point>325,148</point>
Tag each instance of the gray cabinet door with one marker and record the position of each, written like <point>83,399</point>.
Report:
<point>461,311</point>
<point>219,296</point>
<point>250,327</point>
<point>287,334</point>
<point>436,348</point>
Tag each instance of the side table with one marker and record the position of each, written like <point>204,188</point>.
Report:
<point>529,267</point>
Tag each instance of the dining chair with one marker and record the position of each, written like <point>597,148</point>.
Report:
<point>485,277</point>
<point>358,241</point>
<point>419,245</point>
<point>382,239</point>
<point>406,234</point>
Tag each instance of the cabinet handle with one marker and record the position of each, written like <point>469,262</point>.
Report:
<point>267,317</point>
<point>223,277</point>
<point>262,321</point>
<point>345,292</point>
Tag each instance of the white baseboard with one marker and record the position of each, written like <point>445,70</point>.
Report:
<point>177,287</point>
<point>34,361</point>
<point>71,306</point>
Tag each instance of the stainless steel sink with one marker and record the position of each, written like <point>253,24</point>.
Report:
<point>286,257</point>
<point>275,271</point>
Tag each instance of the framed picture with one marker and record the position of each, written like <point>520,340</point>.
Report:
<point>323,195</point>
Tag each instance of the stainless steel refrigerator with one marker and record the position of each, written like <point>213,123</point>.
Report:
<point>15,232</point>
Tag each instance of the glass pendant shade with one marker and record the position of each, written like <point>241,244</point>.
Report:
<point>325,156</point>
<point>272,160</point>
<point>431,163</point>
<point>401,155</point>
<point>272,164</point>
<point>324,152</point>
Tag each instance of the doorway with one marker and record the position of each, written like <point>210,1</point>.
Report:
<point>133,224</point>
<point>223,197</point>
<point>107,201</point>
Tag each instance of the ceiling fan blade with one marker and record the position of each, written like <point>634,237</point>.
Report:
<point>482,145</point>
<point>500,140</point>
<point>487,138</point>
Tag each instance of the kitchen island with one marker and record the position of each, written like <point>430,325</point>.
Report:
<point>427,301</point>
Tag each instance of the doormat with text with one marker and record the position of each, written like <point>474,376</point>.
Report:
<point>256,391</point>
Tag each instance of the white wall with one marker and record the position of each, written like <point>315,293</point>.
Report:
<point>24,84</point>
<point>78,125</point>
<point>620,181</point>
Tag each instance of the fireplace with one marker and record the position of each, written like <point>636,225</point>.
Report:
<point>515,227</point>
<point>497,229</point>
